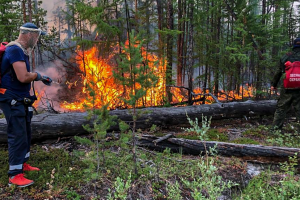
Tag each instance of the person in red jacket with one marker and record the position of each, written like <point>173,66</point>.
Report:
<point>288,96</point>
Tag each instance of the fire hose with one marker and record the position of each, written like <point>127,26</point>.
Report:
<point>46,79</point>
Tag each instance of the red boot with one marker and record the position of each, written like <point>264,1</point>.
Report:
<point>27,167</point>
<point>20,181</point>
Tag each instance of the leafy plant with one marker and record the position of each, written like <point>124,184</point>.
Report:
<point>120,189</point>
<point>72,195</point>
<point>200,131</point>
<point>263,187</point>
<point>284,140</point>
<point>207,185</point>
<point>289,167</point>
<point>173,190</point>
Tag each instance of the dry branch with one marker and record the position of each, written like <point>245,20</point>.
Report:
<point>163,138</point>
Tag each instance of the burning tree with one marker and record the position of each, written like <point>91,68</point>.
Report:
<point>134,73</point>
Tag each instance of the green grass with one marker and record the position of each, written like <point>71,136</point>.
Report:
<point>59,172</point>
<point>64,175</point>
<point>170,176</point>
<point>69,175</point>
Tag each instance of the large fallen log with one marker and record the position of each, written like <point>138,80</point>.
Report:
<point>256,153</point>
<point>46,125</point>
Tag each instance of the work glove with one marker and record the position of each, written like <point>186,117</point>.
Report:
<point>45,79</point>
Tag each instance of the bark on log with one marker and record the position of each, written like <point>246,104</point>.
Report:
<point>256,153</point>
<point>47,126</point>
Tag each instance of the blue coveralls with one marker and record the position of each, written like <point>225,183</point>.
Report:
<point>18,114</point>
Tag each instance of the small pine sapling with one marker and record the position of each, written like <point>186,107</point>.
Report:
<point>101,122</point>
<point>136,77</point>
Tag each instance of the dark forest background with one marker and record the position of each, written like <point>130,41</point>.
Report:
<point>209,44</point>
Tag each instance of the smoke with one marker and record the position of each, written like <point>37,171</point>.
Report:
<point>48,96</point>
<point>50,7</point>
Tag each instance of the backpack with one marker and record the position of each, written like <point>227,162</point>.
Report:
<point>292,75</point>
<point>2,50</point>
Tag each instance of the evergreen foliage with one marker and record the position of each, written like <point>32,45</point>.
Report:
<point>133,73</point>
<point>136,76</point>
<point>101,122</point>
<point>11,16</point>
<point>10,19</point>
<point>230,44</point>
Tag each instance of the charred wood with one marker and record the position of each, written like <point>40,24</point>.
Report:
<point>254,153</point>
<point>49,125</point>
<point>163,138</point>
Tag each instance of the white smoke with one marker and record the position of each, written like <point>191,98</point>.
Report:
<point>48,95</point>
<point>50,7</point>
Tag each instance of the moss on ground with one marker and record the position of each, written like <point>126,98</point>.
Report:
<point>243,140</point>
<point>212,134</point>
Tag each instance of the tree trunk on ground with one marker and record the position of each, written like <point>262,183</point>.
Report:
<point>46,125</point>
<point>257,153</point>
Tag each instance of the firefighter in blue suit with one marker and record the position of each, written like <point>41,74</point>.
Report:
<point>16,101</point>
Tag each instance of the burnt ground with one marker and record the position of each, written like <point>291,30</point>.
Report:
<point>230,168</point>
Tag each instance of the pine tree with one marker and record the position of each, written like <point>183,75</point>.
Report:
<point>136,77</point>
<point>10,19</point>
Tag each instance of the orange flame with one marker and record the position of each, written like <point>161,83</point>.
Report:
<point>181,95</point>
<point>98,74</point>
<point>98,71</point>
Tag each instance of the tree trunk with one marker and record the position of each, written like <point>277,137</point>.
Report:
<point>59,125</point>
<point>24,11</point>
<point>260,66</point>
<point>160,22</point>
<point>170,26</point>
<point>190,53</point>
<point>257,153</point>
<point>184,47</point>
<point>206,85</point>
<point>29,10</point>
<point>180,41</point>
<point>217,34</point>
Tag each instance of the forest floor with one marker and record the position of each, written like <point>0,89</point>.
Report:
<point>69,170</point>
